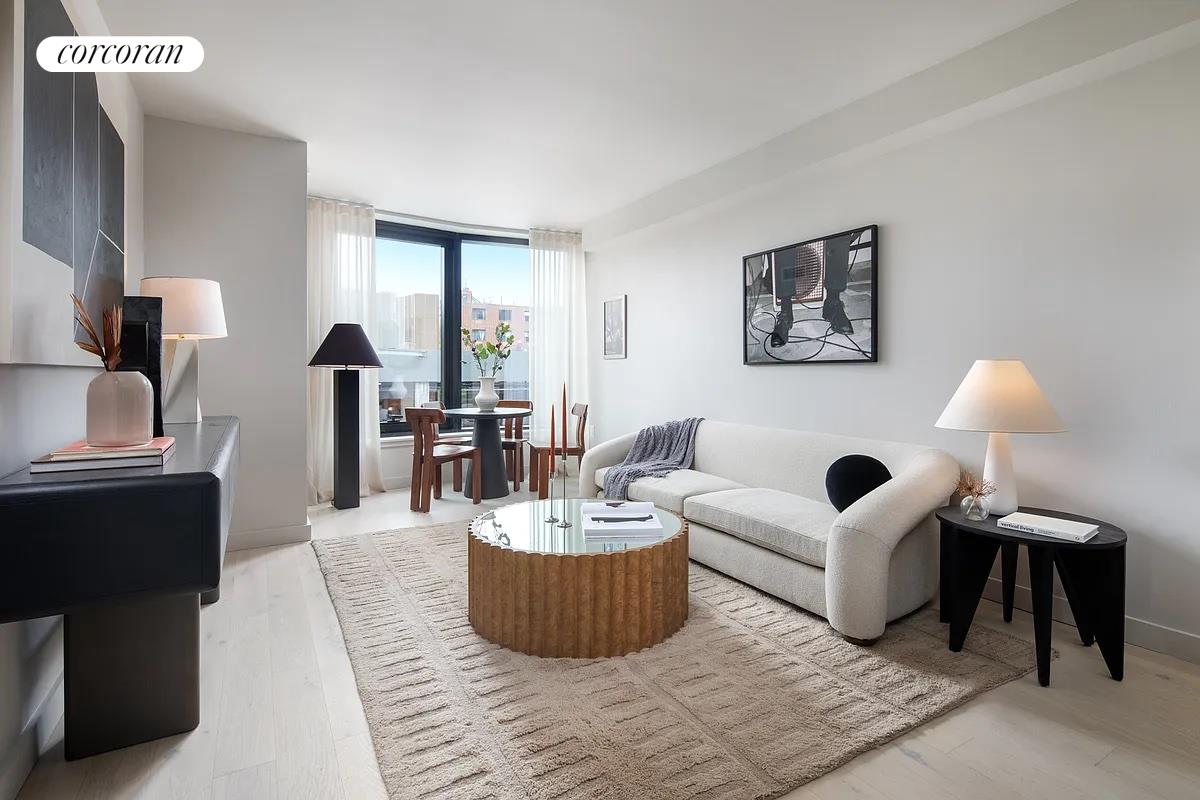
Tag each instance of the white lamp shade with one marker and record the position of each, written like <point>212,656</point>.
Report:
<point>1000,396</point>
<point>192,307</point>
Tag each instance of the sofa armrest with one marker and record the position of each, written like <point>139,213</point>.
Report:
<point>605,454</point>
<point>862,538</point>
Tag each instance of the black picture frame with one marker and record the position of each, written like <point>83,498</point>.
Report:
<point>141,346</point>
<point>813,346</point>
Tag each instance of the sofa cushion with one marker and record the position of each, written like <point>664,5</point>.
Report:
<point>671,490</point>
<point>789,524</point>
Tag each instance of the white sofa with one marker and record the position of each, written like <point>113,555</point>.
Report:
<point>757,511</point>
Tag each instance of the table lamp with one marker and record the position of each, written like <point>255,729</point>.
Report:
<point>347,350</point>
<point>191,310</point>
<point>999,398</point>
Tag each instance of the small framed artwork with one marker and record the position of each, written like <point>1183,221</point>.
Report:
<point>614,327</point>
<point>813,302</point>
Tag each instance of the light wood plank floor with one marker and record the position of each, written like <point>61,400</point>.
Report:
<point>281,717</point>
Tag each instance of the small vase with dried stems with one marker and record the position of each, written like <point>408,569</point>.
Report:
<point>120,410</point>
<point>975,504</point>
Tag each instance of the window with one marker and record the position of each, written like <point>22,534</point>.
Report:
<point>496,277</point>
<point>429,284</point>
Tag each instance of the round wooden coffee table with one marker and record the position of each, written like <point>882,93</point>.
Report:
<point>548,591</point>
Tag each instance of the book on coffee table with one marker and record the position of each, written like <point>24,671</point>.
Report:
<point>620,519</point>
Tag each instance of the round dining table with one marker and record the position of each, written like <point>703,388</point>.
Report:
<point>486,436</point>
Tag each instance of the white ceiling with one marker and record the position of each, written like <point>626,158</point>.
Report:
<point>519,113</point>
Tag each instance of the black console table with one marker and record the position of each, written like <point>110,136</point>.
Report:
<point>1092,574</point>
<point>126,556</point>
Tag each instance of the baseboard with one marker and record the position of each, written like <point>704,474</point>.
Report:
<point>269,537</point>
<point>1139,632</point>
<point>1162,639</point>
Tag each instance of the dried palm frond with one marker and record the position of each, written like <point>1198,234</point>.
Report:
<point>970,486</point>
<point>107,348</point>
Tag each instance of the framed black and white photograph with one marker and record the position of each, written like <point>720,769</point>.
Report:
<point>813,302</point>
<point>614,327</point>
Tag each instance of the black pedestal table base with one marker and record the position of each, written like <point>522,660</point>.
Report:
<point>486,437</point>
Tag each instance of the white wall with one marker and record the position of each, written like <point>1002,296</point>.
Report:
<point>42,407</point>
<point>230,207</point>
<point>1063,232</point>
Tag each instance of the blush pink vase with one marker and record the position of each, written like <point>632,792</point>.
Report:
<point>119,409</point>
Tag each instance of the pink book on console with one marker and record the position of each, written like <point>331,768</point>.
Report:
<point>82,451</point>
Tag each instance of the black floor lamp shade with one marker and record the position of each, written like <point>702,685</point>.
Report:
<point>346,346</point>
<point>347,349</point>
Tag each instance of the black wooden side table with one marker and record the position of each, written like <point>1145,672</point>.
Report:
<point>1092,575</point>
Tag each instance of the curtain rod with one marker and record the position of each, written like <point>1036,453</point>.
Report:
<point>434,222</point>
<point>341,200</point>
<point>462,227</point>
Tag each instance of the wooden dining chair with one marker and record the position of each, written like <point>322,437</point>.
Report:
<point>453,437</point>
<point>428,457</point>
<point>513,441</point>
<point>539,454</point>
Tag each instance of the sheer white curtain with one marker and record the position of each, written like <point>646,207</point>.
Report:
<point>341,288</point>
<point>558,325</point>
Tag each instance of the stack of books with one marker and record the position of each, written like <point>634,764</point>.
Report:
<point>1055,528</point>
<point>81,456</point>
<point>620,520</point>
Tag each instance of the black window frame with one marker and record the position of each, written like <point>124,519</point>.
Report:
<point>451,243</point>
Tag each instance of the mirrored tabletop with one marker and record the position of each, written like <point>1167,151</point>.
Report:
<point>523,526</point>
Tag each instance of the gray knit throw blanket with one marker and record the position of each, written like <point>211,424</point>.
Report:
<point>657,451</point>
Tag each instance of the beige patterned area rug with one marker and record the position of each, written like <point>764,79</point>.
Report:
<point>752,698</point>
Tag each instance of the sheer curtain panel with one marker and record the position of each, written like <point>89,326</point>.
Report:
<point>341,288</point>
<point>557,324</point>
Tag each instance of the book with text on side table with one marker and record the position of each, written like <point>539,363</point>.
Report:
<point>1053,527</point>
<point>620,519</point>
<point>82,456</point>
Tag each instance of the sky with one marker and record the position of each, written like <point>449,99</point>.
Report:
<point>496,273</point>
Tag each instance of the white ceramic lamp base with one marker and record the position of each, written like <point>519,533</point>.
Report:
<point>998,469</point>
<point>181,380</point>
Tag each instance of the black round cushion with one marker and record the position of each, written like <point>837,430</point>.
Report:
<point>850,477</point>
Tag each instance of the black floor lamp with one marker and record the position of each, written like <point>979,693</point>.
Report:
<point>347,350</point>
